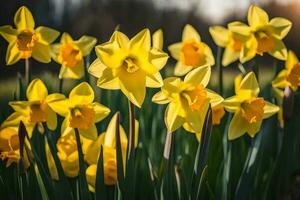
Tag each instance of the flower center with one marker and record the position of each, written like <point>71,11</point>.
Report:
<point>294,76</point>
<point>131,64</point>
<point>67,144</point>
<point>253,109</point>
<point>236,44</point>
<point>25,42</point>
<point>70,56</point>
<point>82,117</point>
<point>196,97</point>
<point>38,112</point>
<point>265,43</point>
<point>192,53</point>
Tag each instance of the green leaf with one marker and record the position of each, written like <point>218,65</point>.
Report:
<point>100,190</point>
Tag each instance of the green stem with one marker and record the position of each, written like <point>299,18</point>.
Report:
<point>27,71</point>
<point>131,129</point>
<point>255,69</point>
<point>60,85</point>
<point>220,68</point>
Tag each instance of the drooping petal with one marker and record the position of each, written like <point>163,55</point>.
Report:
<point>158,39</point>
<point>90,174</point>
<point>181,69</point>
<point>48,35</point>
<point>229,56</point>
<point>232,104</point>
<point>200,75</point>
<point>141,41</point>
<point>52,120</point>
<point>8,33</point>
<point>220,35</point>
<point>75,72</point>
<point>13,54</point>
<point>279,51</point>
<point>257,17</point>
<point>175,50</point>
<point>291,60</point>
<point>59,103</point>
<point>249,83</point>
<point>41,52</point>
<point>172,118</point>
<point>215,99</point>
<point>82,94</point>
<point>86,44</point>
<point>280,27</point>
<point>154,80</point>
<point>65,128</point>
<point>195,119</point>
<point>253,129</point>
<point>36,91</point>
<point>270,109</point>
<point>238,126</point>
<point>23,19</point>
<point>158,58</point>
<point>90,133</point>
<point>280,80</point>
<point>100,111</point>
<point>160,98</point>
<point>189,33</point>
<point>133,85</point>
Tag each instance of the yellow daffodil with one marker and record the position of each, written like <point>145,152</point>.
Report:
<point>79,111</point>
<point>158,39</point>
<point>191,52</point>
<point>108,142</point>
<point>188,100</point>
<point>249,109</point>
<point>240,45</point>
<point>34,111</point>
<point>70,54</point>
<point>68,154</point>
<point>9,146</point>
<point>290,76</point>
<point>129,65</point>
<point>25,41</point>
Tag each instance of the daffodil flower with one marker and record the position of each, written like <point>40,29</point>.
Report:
<point>240,46</point>
<point>108,141</point>
<point>70,54</point>
<point>249,109</point>
<point>191,52</point>
<point>25,41</point>
<point>290,76</point>
<point>9,146</point>
<point>34,111</point>
<point>188,100</point>
<point>129,65</point>
<point>79,111</point>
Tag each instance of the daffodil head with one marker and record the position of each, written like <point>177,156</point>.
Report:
<point>249,109</point>
<point>188,100</point>
<point>27,41</point>
<point>80,111</point>
<point>129,65</point>
<point>191,52</point>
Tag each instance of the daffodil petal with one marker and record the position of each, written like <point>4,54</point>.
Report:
<point>54,52</point>
<point>190,33</point>
<point>48,35</point>
<point>175,50</point>
<point>232,104</point>
<point>86,44</point>
<point>100,111</point>
<point>90,133</point>
<point>195,119</point>
<point>238,126</point>
<point>41,52</point>
<point>257,17</point>
<point>13,54</point>
<point>249,83</point>
<point>279,51</point>
<point>108,80</point>
<point>65,129</point>
<point>59,104</point>
<point>215,99</point>
<point>93,150</point>
<point>8,33</point>
<point>160,98</point>
<point>23,19</point>
<point>280,27</point>
<point>280,80</point>
<point>66,38</point>
<point>181,69</point>
<point>291,60</point>
<point>158,58</point>
<point>249,49</point>
<point>110,54</point>
<point>154,80</point>
<point>172,119</point>
<point>12,120</point>
<point>82,94</point>
<point>200,75</point>
<point>239,28</point>
<point>141,41</point>
<point>75,72</point>
<point>20,106</point>
<point>270,109</point>
<point>229,56</point>
<point>52,120</point>
<point>209,57</point>
<point>90,173</point>
<point>158,39</point>
<point>220,35</point>
<point>36,90</point>
<point>253,129</point>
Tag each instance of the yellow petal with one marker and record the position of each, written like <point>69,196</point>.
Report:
<point>237,82</point>
<point>291,60</point>
<point>232,104</point>
<point>209,57</point>
<point>253,129</point>
<point>96,68</point>
<point>257,17</point>
<point>175,50</point>
<point>280,80</point>
<point>158,58</point>
<point>51,163</point>
<point>82,94</point>
<point>279,51</point>
<point>12,120</point>
<point>52,120</point>
<point>110,54</point>
<point>200,75</point>
<point>280,27</point>
<point>133,85</point>
<point>171,85</point>
<point>160,98</point>
<point>158,39</point>
<point>238,126</point>
<point>141,41</point>
<point>66,38</point>
<point>13,54</point>
<point>154,80</point>
<point>249,83</point>
<point>90,133</point>
<point>239,28</point>
<point>189,33</point>
<point>172,119</point>
<point>220,35</point>
<point>36,90</point>
<point>91,172</point>
<point>249,49</point>
<point>48,35</point>
<point>65,129</point>
<point>41,52</point>
<point>75,72</point>
<point>54,52</point>
<point>229,56</point>
<point>181,69</point>
<point>195,119</point>
<point>270,109</point>
<point>86,44</point>
<point>8,33</point>
<point>20,106</point>
<point>23,19</point>
<point>59,103</point>
<point>215,99</point>
<point>100,111</point>
<point>93,150</point>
